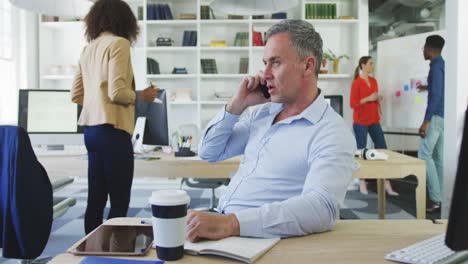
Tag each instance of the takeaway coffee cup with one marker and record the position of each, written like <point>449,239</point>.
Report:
<point>169,209</point>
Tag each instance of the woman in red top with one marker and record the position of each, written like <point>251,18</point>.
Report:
<point>364,101</point>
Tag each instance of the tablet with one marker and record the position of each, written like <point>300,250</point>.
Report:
<point>116,240</point>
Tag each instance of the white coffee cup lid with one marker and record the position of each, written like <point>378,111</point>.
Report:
<point>169,197</point>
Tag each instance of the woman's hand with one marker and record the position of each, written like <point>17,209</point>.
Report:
<point>149,93</point>
<point>371,98</point>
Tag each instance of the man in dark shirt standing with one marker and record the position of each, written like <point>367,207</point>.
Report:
<point>431,131</point>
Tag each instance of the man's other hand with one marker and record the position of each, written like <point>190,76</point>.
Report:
<point>211,225</point>
<point>423,129</point>
<point>422,88</point>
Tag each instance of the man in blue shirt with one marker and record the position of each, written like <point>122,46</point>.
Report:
<point>431,147</point>
<point>298,154</point>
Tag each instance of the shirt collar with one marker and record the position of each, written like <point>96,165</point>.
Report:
<point>313,113</point>
<point>436,60</point>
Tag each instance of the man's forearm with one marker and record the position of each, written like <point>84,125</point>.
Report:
<point>235,107</point>
<point>301,215</point>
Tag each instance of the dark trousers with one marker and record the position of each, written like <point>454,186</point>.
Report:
<point>110,173</point>
<point>376,133</point>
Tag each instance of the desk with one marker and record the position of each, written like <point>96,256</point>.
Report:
<point>350,241</point>
<point>166,166</point>
<point>397,166</point>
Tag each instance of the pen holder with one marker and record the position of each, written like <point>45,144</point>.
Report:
<point>185,152</point>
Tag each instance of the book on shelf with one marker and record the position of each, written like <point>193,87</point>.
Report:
<point>209,66</point>
<point>257,38</point>
<point>187,16</point>
<point>235,17</point>
<point>206,12</point>
<point>347,17</point>
<point>140,12</point>
<point>152,66</point>
<point>244,65</point>
<point>181,70</point>
<point>218,43</point>
<point>241,39</point>
<point>189,38</point>
<point>320,11</point>
<point>158,12</point>
<point>45,18</point>
<point>279,15</point>
<point>244,249</point>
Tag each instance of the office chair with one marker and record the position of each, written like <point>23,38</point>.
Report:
<point>26,201</point>
<point>193,130</point>
<point>206,183</point>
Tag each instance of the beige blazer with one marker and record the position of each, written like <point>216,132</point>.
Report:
<point>104,84</point>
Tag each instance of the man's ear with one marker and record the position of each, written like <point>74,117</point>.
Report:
<point>310,65</point>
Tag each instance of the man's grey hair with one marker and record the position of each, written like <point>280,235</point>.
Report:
<point>303,36</point>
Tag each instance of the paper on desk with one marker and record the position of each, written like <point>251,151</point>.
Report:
<point>189,158</point>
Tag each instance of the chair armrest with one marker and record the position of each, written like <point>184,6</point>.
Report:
<point>61,207</point>
<point>61,182</point>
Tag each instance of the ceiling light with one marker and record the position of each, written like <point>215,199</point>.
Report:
<point>391,33</point>
<point>252,7</point>
<point>425,13</point>
<point>68,8</point>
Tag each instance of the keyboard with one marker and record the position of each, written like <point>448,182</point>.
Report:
<point>432,250</point>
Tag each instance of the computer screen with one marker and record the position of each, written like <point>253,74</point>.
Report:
<point>457,228</point>
<point>336,102</point>
<point>49,116</point>
<point>156,129</point>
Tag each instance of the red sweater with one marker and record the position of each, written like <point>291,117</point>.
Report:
<point>368,113</point>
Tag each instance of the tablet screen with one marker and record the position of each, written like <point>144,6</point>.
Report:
<point>117,240</point>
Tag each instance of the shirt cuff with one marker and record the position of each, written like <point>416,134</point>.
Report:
<point>250,223</point>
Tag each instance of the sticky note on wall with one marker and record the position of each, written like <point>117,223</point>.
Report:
<point>397,93</point>
<point>417,99</point>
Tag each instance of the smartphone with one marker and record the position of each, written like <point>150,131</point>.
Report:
<point>264,89</point>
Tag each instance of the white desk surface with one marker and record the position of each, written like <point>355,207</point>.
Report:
<point>350,241</point>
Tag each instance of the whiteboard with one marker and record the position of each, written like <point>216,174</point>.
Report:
<point>400,69</point>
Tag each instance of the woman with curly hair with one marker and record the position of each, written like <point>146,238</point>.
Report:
<point>105,87</point>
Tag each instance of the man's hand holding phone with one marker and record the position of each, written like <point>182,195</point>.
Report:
<point>422,88</point>
<point>248,94</point>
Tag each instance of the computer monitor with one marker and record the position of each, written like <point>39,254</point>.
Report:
<point>457,228</point>
<point>49,117</point>
<point>336,102</point>
<point>156,130</point>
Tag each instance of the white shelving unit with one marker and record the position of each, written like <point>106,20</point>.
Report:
<point>62,42</point>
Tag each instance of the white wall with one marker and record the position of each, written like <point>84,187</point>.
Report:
<point>21,71</point>
<point>456,92</point>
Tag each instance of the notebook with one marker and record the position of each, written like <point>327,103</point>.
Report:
<point>244,249</point>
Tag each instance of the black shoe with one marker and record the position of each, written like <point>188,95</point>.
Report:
<point>433,207</point>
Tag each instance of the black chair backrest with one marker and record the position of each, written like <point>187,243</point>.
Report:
<point>25,197</point>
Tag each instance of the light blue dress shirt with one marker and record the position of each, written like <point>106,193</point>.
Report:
<point>293,174</point>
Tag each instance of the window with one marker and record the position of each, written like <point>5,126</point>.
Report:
<point>5,30</point>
